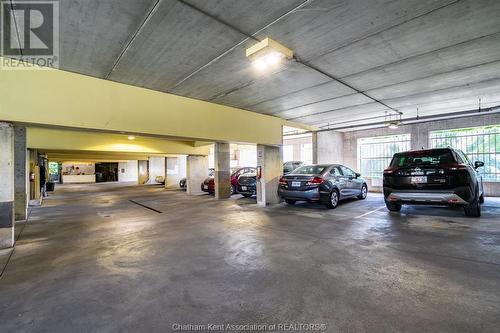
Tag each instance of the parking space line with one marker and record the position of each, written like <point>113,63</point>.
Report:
<point>368,213</point>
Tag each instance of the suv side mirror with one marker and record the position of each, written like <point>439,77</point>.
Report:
<point>478,164</point>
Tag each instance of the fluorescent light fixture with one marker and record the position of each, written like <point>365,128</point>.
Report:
<point>131,137</point>
<point>268,53</point>
<point>393,125</point>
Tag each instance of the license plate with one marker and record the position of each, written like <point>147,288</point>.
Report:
<point>205,187</point>
<point>295,184</point>
<point>419,180</point>
<point>243,188</point>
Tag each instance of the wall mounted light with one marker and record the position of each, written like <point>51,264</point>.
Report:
<point>268,53</point>
<point>131,137</point>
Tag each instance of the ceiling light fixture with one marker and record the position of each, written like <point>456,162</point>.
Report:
<point>392,123</point>
<point>131,137</point>
<point>268,53</point>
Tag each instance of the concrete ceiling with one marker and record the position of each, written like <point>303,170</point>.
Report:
<point>439,56</point>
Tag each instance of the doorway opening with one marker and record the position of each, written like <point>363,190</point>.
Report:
<point>106,172</point>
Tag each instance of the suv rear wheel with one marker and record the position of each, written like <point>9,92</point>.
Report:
<point>393,206</point>
<point>473,209</point>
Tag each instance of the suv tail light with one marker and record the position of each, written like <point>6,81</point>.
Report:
<point>283,181</point>
<point>453,167</point>
<point>315,181</point>
<point>390,171</point>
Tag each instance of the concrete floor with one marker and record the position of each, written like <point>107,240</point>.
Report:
<point>91,260</point>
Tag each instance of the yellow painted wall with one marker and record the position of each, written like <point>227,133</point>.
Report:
<point>46,139</point>
<point>54,97</point>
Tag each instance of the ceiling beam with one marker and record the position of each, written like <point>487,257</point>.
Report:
<point>133,37</point>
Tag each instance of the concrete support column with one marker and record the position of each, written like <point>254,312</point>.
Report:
<point>269,159</point>
<point>21,174</point>
<point>315,147</point>
<point>196,172</point>
<point>330,147</point>
<point>175,170</point>
<point>222,171</point>
<point>419,137</point>
<point>6,185</point>
<point>156,169</point>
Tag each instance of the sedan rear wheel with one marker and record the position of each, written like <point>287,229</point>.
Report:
<point>290,201</point>
<point>333,201</point>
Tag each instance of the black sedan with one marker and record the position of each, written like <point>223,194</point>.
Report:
<point>325,183</point>
<point>247,184</point>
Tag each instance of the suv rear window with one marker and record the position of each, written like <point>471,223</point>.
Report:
<point>422,158</point>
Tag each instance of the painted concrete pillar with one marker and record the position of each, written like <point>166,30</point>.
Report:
<point>269,159</point>
<point>196,172</point>
<point>315,147</point>
<point>21,174</point>
<point>175,170</point>
<point>6,185</point>
<point>156,169</point>
<point>330,145</point>
<point>419,137</point>
<point>222,171</point>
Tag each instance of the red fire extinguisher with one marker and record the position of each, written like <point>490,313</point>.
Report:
<point>259,172</point>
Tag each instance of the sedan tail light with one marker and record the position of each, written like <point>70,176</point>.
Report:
<point>283,181</point>
<point>315,181</point>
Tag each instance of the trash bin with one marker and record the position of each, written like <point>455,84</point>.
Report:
<point>50,186</point>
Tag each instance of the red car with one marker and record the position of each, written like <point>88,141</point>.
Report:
<point>208,184</point>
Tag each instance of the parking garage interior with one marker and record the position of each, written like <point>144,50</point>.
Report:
<point>120,160</point>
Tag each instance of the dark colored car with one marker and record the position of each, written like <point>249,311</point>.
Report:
<point>443,176</point>
<point>290,166</point>
<point>325,183</point>
<point>247,184</point>
<point>183,181</point>
<point>208,184</point>
<point>183,184</point>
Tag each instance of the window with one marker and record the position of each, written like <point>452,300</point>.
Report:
<point>347,172</point>
<point>335,172</point>
<point>375,154</point>
<point>309,170</point>
<point>479,143</point>
<point>422,158</point>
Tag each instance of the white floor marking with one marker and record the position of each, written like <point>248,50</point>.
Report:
<point>368,213</point>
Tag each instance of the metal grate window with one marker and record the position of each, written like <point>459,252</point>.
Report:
<point>375,154</point>
<point>479,143</point>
